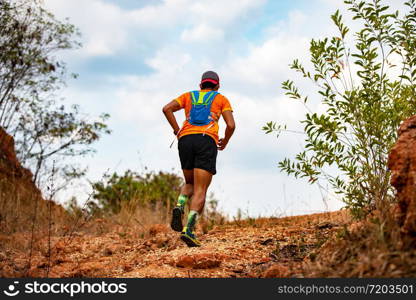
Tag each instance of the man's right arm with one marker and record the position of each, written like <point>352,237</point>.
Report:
<point>168,110</point>
<point>229,120</point>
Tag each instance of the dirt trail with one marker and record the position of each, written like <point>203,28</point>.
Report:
<point>257,248</point>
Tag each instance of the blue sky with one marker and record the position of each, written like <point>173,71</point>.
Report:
<point>138,55</point>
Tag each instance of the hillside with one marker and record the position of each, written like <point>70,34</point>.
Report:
<point>319,245</point>
<point>21,202</point>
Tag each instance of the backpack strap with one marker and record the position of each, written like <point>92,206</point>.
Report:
<point>209,97</point>
<point>195,97</point>
<point>203,98</point>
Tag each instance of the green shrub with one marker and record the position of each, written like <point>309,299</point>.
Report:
<point>132,189</point>
<point>365,103</point>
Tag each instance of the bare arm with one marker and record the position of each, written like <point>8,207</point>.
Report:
<point>168,110</point>
<point>229,120</point>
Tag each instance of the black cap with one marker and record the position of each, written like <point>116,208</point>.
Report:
<point>210,76</point>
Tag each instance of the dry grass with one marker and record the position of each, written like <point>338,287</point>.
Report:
<point>369,248</point>
<point>21,204</point>
<point>25,220</point>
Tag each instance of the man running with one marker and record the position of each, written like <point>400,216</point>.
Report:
<point>198,144</point>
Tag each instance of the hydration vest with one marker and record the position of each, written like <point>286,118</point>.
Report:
<point>200,114</point>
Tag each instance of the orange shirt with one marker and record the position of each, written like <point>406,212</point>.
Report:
<point>219,105</point>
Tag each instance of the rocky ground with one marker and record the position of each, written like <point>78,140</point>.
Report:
<point>254,248</point>
<point>320,245</point>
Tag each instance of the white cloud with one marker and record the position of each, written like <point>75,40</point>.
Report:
<point>102,24</point>
<point>220,13</point>
<point>268,63</point>
<point>202,33</point>
<point>169,62</point>
<point>108,29</point>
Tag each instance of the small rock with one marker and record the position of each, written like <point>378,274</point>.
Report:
<point>110,250</point>
<point>185,261</point>
<point>264,260</point>
<point>276,271</point>
<point>172,246</point>
<point>199,261</point>
<point>266,242</point>
<point>158,228</point>
<point>161,241</point>
<point>90,269</point>
<point>107,252</point>
<point>325,225</point>
<point>238,269</point>
<point>128,268</point>
<point>59,260</point>
<point>147,243</point>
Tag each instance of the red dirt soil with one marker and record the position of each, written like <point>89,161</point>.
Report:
<point>262,248</point>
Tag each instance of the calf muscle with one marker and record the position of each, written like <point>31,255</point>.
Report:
<point>202,180</point>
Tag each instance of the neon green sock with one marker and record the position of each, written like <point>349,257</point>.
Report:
<point>182,199</point>
<point>192,218</point>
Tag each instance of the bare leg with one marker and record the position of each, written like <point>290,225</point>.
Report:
<point>185,193</point>
<point>202,180</point>
<point>188,188</point>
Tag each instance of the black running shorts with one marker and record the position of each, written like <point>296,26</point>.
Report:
<point>198,151</point>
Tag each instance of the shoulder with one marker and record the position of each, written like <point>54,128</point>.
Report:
<point>222,99</point>
<point>184,95</point>
<point>223,102</point>
<point>183,98</point>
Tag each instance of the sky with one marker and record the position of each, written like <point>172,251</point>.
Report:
<point>139,55</point>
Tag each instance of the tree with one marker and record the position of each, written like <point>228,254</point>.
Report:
<point>45,130</point>
<point>367,90</point>
<point>29,36</point>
